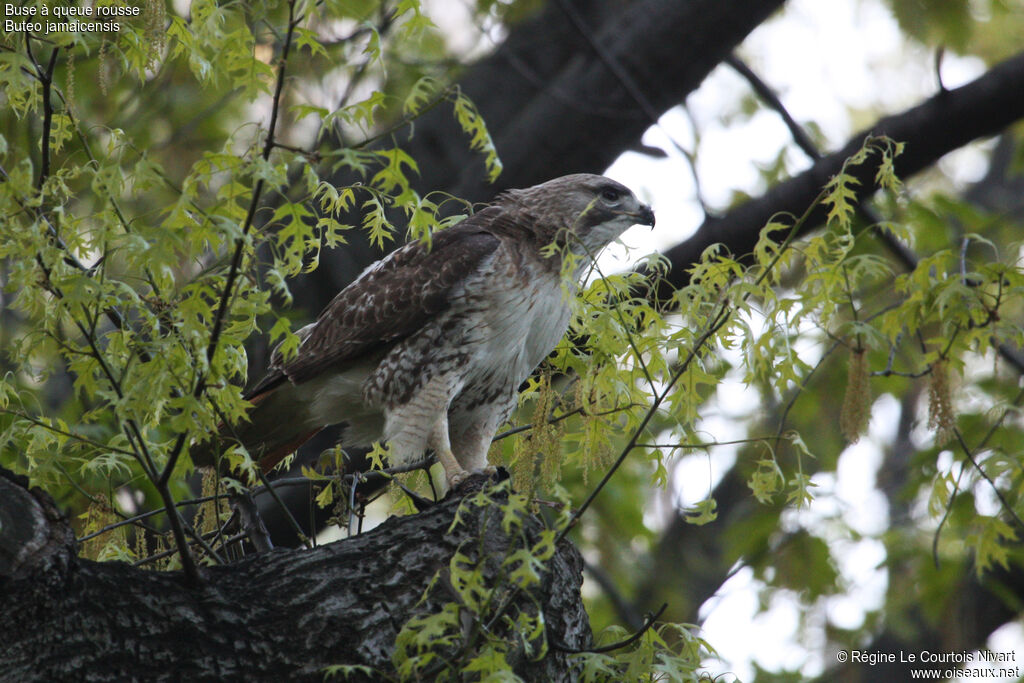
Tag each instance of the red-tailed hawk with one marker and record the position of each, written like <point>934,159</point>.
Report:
<point>426,349</point>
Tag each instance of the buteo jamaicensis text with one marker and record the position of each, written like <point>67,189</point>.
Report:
<point>426,349</point>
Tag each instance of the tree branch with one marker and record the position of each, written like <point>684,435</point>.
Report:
<point>63,617</point>
<point>946,122</point>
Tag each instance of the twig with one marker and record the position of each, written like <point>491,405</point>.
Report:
<point>648,623</point>
<point>616,307</point>
<point>269,486</point>
<point>556,419</point>
<point>46,79</point>
<point>708,444</point>
<point>356,476</point>
<point>984,475</point>
<point>613,64</point>
<point>635,92</point>
<point>145,460</point>
<point>147,515</point>
<point>251,522</point>
<point>970,456</point>
<point>945,516</point>
<point>765,92</point>
<point>268,147</point>
<point>171,551</point>
<point>70,435</point>
<point>404,121</point>
<point>69,258</point>
<point>236,261</point>
<point>718,320</point>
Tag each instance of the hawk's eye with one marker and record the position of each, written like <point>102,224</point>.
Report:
<point>611,195</point>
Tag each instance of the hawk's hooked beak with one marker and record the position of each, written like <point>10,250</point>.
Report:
<point>645,216</point>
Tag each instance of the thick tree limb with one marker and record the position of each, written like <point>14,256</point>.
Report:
<point>282,614</point>
<point>33,535</point>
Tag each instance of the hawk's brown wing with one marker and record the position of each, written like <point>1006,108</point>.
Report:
<point>391,300</point>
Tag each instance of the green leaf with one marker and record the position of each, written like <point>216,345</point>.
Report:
<point>480,140</point>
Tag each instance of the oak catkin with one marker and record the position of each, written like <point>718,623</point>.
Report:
<point>941,418</point>
<point>853,420</point>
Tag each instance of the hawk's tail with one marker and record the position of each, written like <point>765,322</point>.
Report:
<point>278,424</point>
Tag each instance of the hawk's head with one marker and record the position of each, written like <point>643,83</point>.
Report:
<point>584,211</point>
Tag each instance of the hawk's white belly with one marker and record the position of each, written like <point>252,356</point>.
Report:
<point>518,330</point>
<point>514,330</point>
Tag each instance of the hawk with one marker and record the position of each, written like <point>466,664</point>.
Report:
<point>427,348</point>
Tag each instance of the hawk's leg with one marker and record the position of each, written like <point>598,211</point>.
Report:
<point>472,446</point>
<point>454,474</point>
<point>477,428</point>
<point>421,422</point>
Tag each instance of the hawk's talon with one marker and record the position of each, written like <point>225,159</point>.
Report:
<point>456,478</point>
<point>479,478</point>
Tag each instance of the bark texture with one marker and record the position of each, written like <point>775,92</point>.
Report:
<point>283,614</point>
